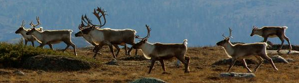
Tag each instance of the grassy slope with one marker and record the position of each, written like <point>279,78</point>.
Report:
<point>128,70</point>
<point>12,55</point>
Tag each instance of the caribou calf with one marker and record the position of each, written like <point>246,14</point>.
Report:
<point>241,51</point>
<point>163,51</point>
<point>272,31</point>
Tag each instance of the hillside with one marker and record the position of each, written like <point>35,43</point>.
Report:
<point>201,21</point>
<point>129,69</point>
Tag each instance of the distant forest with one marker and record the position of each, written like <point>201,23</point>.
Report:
<point>202,22</point>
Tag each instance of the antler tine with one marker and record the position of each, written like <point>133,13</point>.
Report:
<point>223,35</point>
<point>97,15</point>
<point>38,21</point>
<point>23,23</point>
<point>82,23</point>
<point>230,33</point>
<point>148,31</point>
<point>96,12</point>
<point>102,11</point>
<point>83,20</point>
<point>138,37</point>
<point>103,14</point>
<point>88,20</point>
<point>31,24</point>
<point>80,27</point>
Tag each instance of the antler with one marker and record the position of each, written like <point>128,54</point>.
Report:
<point>22,23</point>
<point>223,35</point>
<point>38,22</point>
<point>88,20</point>
<point>148,31</point>
<point>83,20</point>
<point>230,33</point>
<point>99,17</point>
<point>81,25</point>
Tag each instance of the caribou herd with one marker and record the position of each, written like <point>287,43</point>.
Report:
<point>98,36</point>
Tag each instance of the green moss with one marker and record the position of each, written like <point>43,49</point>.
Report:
<point>12,55</point>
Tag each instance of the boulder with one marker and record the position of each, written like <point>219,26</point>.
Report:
<point>277,59</point>
<point>112,62</point>
<point>237,75</point>
<point>55,63</point>
<point>148,80</point>
<point>282,52</point>
<point>20,73</point>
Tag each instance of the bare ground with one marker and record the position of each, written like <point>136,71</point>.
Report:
<point>201,68</point>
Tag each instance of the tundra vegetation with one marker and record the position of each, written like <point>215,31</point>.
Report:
<point>201,68</point>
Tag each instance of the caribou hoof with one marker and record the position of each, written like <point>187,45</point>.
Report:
<point>187,71</point>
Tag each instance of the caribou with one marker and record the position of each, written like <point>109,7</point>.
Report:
<point>272,31</point>
<point>241,51</point>
<point>49,37</point>
<point>105,36</point>
<point>162,51</point>
<point>22,30</point>
<point>89,39</point>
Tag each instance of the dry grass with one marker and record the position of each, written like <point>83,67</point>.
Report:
<point>128,70</point>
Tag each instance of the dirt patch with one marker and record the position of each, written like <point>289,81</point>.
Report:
<point>229,61</point>
<point>137,57</point>
<point>55,63</point>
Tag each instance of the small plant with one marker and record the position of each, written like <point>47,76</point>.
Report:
<point>12,55</point>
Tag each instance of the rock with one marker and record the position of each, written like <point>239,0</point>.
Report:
<point>277,59</point>
<point>238,75</point>
<point>55,63</point>
<point>177,63</point>
<point>290,60</point>
<point>229,61</point>
<point>113,62</point>
<point>20,73</point>
<point>148,80</point>
<point>284,52</point>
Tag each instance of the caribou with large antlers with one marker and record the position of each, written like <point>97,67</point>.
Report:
<point>50,37</point>
<point>272,31</point>
<point>22,30</point>
<point>88,38</point>
<point>163,51</point>
<point>241,51</point>
<point>105,36</point>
